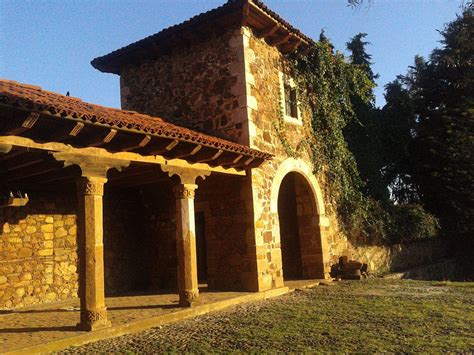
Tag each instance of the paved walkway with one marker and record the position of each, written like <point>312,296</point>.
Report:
<point>46,323</point>
<point>51,327</point>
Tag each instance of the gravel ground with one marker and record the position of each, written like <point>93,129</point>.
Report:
<point>216,330</point>
<point>366,316</point>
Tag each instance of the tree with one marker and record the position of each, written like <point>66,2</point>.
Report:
<point>442,150</point>
<point>363,132</point>
<point>397,126</point>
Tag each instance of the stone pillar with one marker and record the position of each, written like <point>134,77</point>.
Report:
<point>186,245</point>
<point>185,232</point>
<point>90,190</point>
<point>91,255</point>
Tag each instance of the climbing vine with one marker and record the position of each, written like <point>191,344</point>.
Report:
<point>328,85</point>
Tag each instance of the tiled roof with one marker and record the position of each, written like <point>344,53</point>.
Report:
<point>110,62</point>
<point>34,98</point>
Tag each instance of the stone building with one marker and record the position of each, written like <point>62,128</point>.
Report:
<point>190,182</point>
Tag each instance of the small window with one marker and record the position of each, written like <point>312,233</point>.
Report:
<point>291,103</point>
<point>289,100</point>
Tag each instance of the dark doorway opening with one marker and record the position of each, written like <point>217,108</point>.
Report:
<point>201,247</point>
<point>289,229</point>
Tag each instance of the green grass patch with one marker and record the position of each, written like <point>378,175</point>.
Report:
<point>359,316</point>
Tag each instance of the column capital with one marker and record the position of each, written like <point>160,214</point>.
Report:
<point>184,191</point>
<point>90,185</point>
<point>186,175</point>
<point>91,166</point>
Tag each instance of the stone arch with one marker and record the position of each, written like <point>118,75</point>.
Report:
<point>301,167</point>
<point>305,235</point>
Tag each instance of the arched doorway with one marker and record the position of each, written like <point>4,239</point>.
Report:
<point>300,233</point>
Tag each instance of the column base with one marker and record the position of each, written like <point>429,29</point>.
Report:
<point>189,298</point>
<point>94,320</point>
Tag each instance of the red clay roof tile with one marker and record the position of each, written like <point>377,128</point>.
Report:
<point>112,62</point>
<point>34,98</point>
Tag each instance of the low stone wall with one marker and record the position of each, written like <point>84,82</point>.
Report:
<point>399,257</point>
<point>38,259</point>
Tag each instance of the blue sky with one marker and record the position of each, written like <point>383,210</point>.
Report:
<point>51,43</point>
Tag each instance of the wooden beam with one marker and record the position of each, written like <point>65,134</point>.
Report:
<point>98,153</point>
<point>193,151</point>
<point>145,180</point>
<point>280,40</point>
<point>107,139</point>
<point>264,14</point>
<point>292,45</point>
<point>233,161</point>
<point>27,124</point>
<point>76,129</point>
<point>245,13</point>
<point>214,157</point>
<point>146,139</point>
<point>32,173</point>
<point>22,163</point>
<point>249,160</point>
<point>166,149</point>
<point>269,31</point>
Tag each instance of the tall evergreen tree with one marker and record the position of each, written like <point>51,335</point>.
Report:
<point>398,123</point>
<point>363,133</point>
<point>443,145</point>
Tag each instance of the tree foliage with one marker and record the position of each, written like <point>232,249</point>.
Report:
<point>339,94</point>
<point>428,130</point>
<point>363,133</point>
<point>442,149</point>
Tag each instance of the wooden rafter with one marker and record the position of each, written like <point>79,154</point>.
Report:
<point>292,45</point>
<point>281,40</point>
<point>27,124</point>
<point>192,152</point>
<point>145,140</point>
<point>166,149</point>
<point>214,157</point>
<point>107,139</point>
<point>76,129</point>
<point>269,31</point>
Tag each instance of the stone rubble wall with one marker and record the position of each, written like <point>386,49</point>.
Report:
<point>265,64</point>
<point>158,244</point>
<point>38,259</point>
<point>197,86</point>
<point>124,236</point>
<point>384,259</point>
<point>227,205</point>
<point>38,246</point>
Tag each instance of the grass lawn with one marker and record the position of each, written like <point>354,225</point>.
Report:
<point>357,316</point>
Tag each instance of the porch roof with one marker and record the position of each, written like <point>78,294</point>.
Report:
<point>70,120</point>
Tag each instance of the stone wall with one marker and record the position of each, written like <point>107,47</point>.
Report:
<point>158,244</point>
<point>124,236</point>
<point>226,202</point>
<point>382,260</point>
<point>38,246</point>
<point>38,259</point>
<point>264,64</point>
<point>196,85</point>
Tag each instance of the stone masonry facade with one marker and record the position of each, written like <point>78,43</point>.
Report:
<point>229,85</point>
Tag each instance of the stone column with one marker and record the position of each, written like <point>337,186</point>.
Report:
<point>90,190</point>
<point>186,245</point>
<point>91,256</point>
<point>185,232</point>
